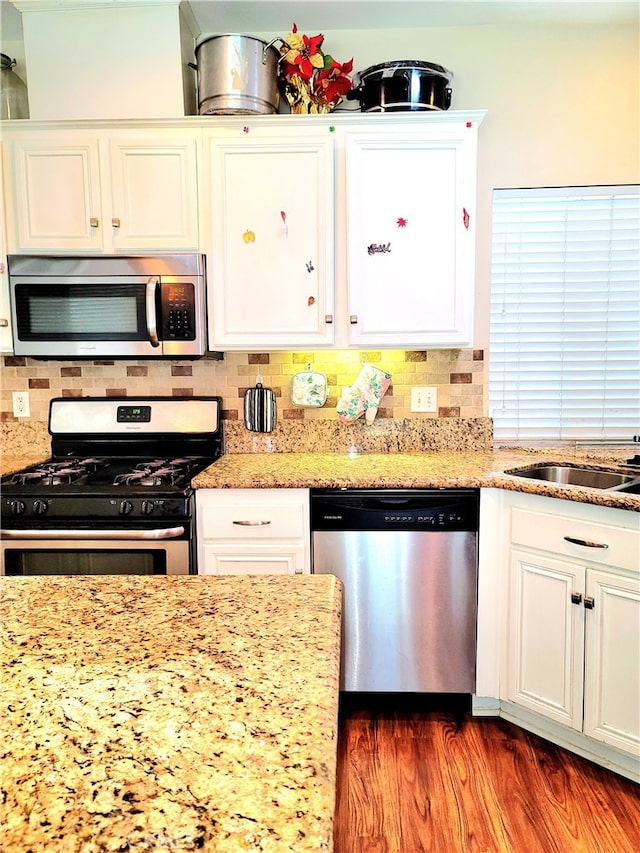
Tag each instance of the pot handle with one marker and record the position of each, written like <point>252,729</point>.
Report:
<point>354,94</point>
<point>271,44</point>
<point>447,98</point>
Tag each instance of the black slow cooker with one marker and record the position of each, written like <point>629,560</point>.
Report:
<point>404,84</point>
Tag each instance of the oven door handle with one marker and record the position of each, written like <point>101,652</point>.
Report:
<point>152,323</point>
<point>159,533</point>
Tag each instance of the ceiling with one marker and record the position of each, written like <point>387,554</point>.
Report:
<point>249,16</point>
<point>259,15</point>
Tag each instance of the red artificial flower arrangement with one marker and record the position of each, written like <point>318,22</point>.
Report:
<point>313,81</point>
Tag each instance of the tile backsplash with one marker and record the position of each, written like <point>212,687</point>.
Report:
<point>458,375</point>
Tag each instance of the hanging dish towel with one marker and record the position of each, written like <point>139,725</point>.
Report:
<point>363,397</point>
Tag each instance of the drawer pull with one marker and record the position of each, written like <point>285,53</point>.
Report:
<point>251,523</point>
<point>586,542</point>
<point>576,598</point>
<point>94,222</point>
<point>589,603</point>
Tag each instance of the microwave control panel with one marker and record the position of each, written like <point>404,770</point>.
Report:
<point>178,312</point>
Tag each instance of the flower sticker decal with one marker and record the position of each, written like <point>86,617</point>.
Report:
<point>402,222</point>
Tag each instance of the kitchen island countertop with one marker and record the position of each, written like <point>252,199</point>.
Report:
<point>169,712</point>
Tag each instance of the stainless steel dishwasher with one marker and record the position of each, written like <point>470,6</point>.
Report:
<point>408,562</point>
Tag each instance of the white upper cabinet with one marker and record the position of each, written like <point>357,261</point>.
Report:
<point>6,340</point>
<point>271,279</point>
<point>411,213</point>
<point>154,192</point>
<point>78,191</point>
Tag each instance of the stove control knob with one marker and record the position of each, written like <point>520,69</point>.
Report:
<point>147,507</point>
<point>17,507</point>
<point>40,507</point>
<point>125,507</point>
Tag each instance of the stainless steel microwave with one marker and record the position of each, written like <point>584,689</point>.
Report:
<point>108,306</point>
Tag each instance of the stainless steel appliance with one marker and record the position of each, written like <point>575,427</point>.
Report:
<point>408,562</point>
<point>115,497</point>
<point>108,306</point>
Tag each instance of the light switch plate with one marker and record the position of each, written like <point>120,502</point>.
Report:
<point>424,399</point>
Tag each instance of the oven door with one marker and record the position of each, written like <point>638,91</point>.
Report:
<point>147,550</point>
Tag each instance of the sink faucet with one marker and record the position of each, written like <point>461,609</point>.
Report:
<point>635,460</point>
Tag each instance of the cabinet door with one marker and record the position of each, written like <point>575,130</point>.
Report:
<point>253,531</point>
<point>612,666</point>
<point>239,560</point>
<point>154,195</point>
<point>6,339</point>
<point>546,643</point>
<point>271,270</point>
<point>411,200</point>
<point>56,191</point>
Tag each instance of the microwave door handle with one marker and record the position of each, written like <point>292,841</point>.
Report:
<point>152,329</point>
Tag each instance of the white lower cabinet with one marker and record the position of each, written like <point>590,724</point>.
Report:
<point>573,653</point>
<point>253,531</point>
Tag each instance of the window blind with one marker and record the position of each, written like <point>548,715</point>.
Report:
<point>565,314</point>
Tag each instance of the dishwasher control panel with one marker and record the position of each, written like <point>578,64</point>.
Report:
<point>395,509</point>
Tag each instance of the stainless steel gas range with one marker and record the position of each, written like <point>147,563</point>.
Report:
<point>115,497</point>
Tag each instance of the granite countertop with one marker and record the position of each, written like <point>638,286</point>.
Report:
<point>453,469</point>
<point>169,712</point>
<point>404,454</point>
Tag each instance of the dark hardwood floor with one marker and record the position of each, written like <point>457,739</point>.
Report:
<point>429,777</point>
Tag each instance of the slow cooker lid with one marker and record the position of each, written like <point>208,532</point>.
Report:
<point>388,69</point>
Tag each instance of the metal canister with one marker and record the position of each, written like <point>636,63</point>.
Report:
<point>14,101</point>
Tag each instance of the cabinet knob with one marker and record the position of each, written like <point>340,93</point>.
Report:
<point>576,598</point>
<point>328,318</point>
<point>94,222</point>
<point>589,602</point>
<point>353,319</point>
<point>115,222</point>
<point>3,322</point>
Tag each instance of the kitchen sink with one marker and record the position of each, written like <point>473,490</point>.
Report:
<point>569,475</point>
<point>632,488</point>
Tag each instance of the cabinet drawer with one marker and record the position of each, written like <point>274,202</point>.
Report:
<point>253,514</point>
<point>605,544</point>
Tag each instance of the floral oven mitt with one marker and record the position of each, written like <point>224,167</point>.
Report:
<point>364,396</point>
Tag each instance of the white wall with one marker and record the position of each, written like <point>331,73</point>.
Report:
<point>563,105</point>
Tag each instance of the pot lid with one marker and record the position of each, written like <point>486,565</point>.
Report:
<point>388,69</point>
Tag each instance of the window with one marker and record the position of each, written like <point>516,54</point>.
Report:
<point>565,314</point>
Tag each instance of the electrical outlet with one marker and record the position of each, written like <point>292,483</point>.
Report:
<point>21,408</point>
<point>424,399</point>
